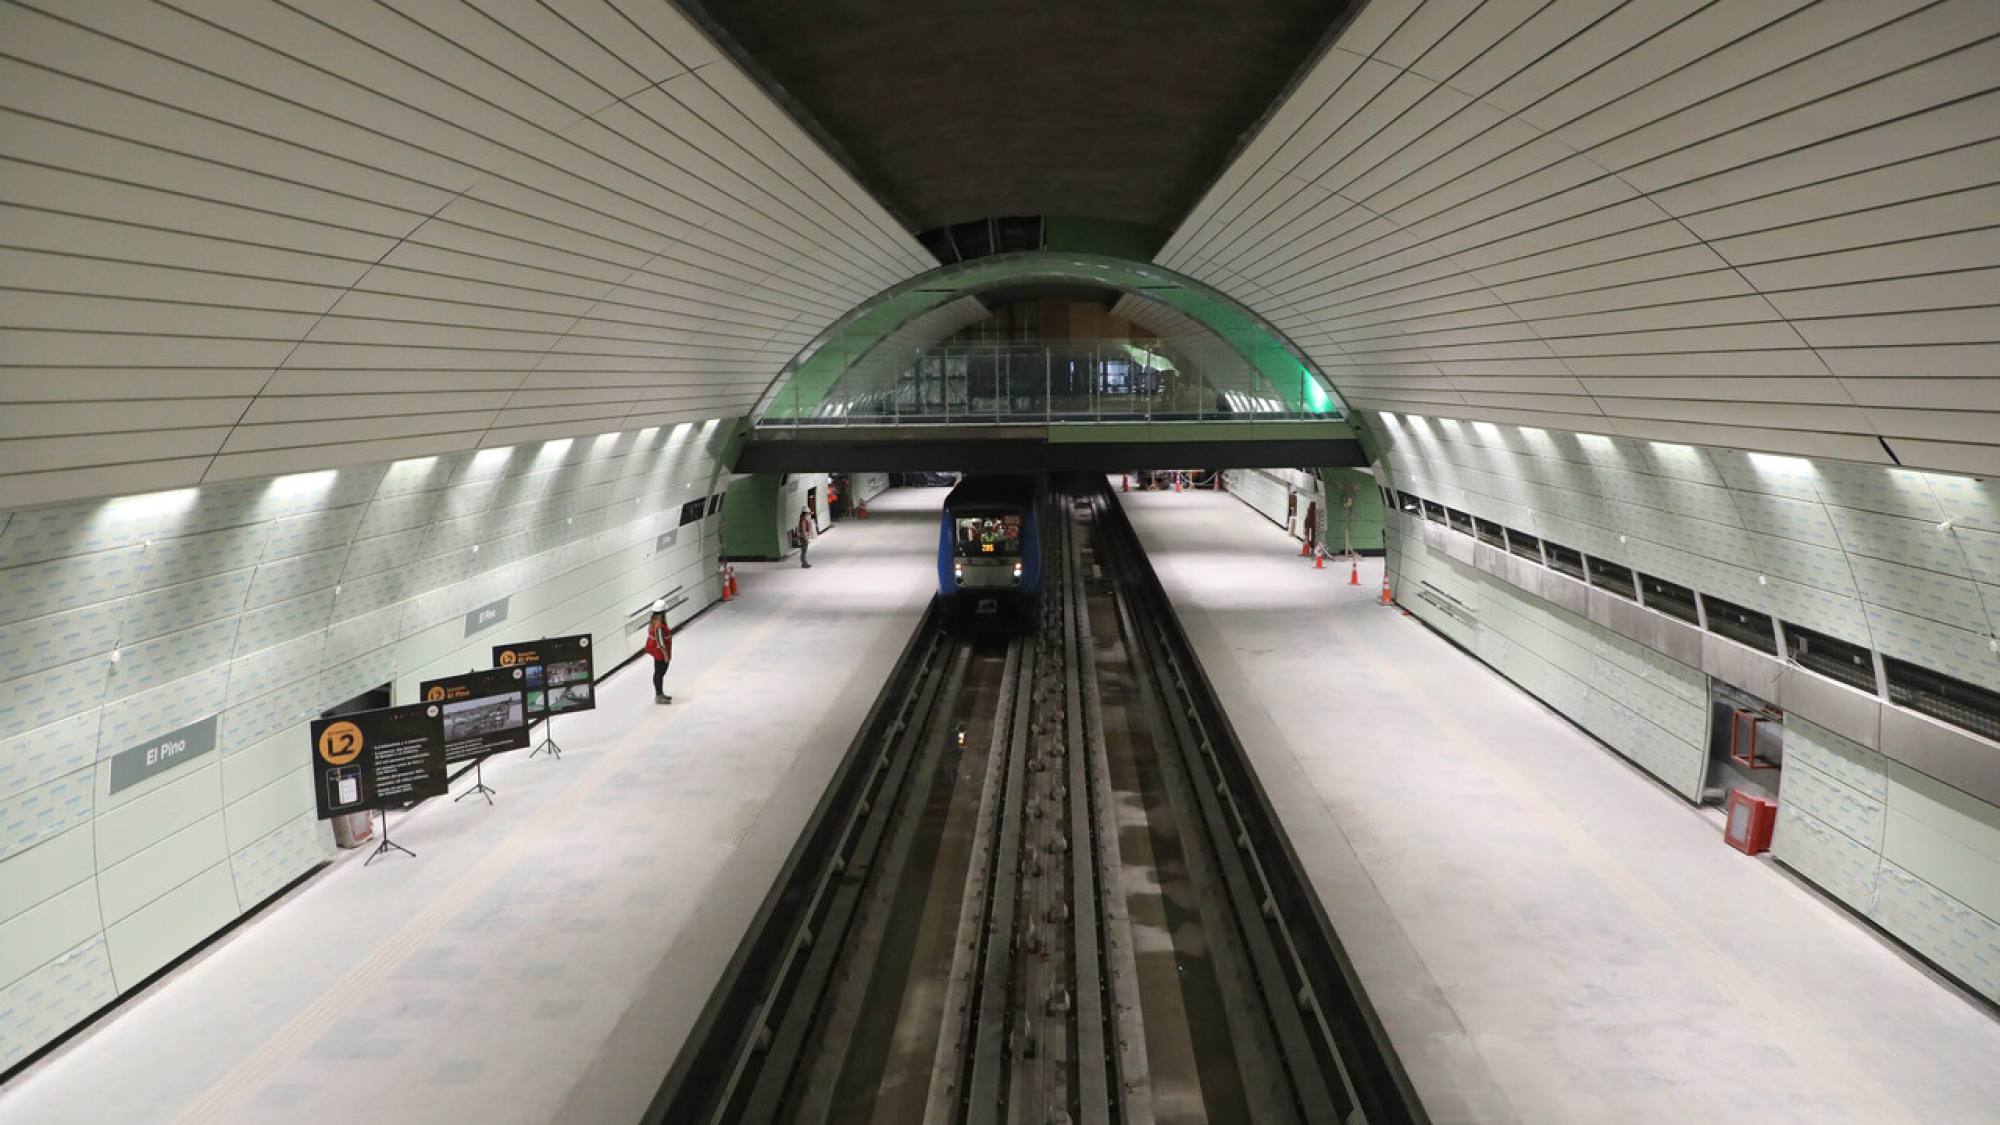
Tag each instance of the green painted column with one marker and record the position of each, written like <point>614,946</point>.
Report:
<point>750,519</point>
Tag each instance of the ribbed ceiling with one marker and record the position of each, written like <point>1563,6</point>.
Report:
<point>243,237</point>
<point>1769,226</point>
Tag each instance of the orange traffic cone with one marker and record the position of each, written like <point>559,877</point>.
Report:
<point>1386,599</point>
<point>1177,481</point>
<point>728,583</point>
<point>1305,547</point>
<point>1124,482</point>
<point>1319,560</point>
<point>861,510</point>
<point>1354,575</point>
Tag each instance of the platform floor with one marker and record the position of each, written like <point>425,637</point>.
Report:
<point>542,959</point>
<point>1548,935</point>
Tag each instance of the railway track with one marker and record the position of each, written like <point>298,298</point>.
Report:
<point>1043,887</point>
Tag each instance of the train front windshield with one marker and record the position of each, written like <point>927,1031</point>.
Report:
<point>988,536</point>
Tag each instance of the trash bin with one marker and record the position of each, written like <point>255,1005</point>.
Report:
<point>354,829</point>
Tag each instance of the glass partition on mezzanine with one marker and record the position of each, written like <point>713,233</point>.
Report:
<point>1036,383</point>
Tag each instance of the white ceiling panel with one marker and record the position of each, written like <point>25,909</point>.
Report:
<point>1734,224</point>
<point>322,233</point>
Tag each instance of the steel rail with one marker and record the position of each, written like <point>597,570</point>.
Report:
<point>1134,1090</point>
<point>1330,1028</point>
<point>982,882</point>
<point>728,1040</point>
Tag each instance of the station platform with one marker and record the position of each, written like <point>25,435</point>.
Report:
<point>542,959</point>
<point>1547,934</point>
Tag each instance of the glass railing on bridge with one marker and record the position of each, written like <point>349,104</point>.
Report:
<point>1039,383</point>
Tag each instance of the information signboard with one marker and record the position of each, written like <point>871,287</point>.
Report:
<point>556,671</point>
<point>484,712</point>
<point>386,759</point>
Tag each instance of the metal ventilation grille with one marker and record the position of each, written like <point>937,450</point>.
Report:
<point>1940,696</point>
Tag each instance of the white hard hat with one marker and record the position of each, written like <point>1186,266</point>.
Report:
<point>660,606</point>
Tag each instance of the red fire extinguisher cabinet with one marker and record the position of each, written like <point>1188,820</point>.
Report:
<point>1751,820</point>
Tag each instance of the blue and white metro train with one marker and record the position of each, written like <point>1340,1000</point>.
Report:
<point>990,550</point>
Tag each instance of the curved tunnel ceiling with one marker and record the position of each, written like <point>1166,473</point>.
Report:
<point>242,238</point>
<point>1769,226</point>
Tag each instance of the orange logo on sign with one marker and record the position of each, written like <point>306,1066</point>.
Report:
<point>507,658</point>
<point>340,743</point>
<point>434,694</point>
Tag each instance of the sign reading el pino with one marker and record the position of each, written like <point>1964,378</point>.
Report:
<point>556,671</point>
<point>386,759</point>
<point>486,616</point>
<point>155,756</point>
<point>484,712</point>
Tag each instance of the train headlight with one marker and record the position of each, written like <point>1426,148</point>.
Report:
<point>958,572</point>
<point>1017,572</point>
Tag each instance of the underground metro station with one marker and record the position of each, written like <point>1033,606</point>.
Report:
<point>1359,561</point>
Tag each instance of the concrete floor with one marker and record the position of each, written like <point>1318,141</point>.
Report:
<point>1548,935</point>
<point>541,959</point>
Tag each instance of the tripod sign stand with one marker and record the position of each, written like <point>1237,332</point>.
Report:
<point>387,844</point>
<point>479,785</point>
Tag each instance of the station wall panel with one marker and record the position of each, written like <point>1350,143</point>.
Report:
<point>1863,553</point>
<point>251,238</point>
<point>256,605</point>
<point>1269,491</point>
<point>1758,226</point>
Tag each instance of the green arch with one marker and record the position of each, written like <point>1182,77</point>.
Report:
<point>804,382</point>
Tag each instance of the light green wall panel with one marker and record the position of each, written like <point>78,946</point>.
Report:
<point>170,925</point>
<point>34,876</point>
<point>171,802</point>
<point>262,602</point>
<point>125,887</point>
<point>1844,867</point>
<point>41,933</point>
<point>1940,927</point>
<point>53,997</point>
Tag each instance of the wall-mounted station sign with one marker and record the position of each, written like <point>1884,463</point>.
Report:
<point>157,755</point>
<point>556,671</point>
<point>486,616</point>
<point>386,759</point>
<point>484,712</point>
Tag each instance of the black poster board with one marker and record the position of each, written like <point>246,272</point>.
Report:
<point>556,672</point>
<point>386,759</point>
<point>484,712</point>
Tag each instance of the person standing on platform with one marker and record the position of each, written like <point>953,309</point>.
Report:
<point>806,533</point>
<point>660,646</point>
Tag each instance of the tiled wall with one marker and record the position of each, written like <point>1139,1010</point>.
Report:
<point>260,603</point>
<point>235,229</point>
<point>1759,226</point>
<point>1269,490</point>
<point>1852,551</point>
<point>1648,707</point>
<point>867,486</point>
